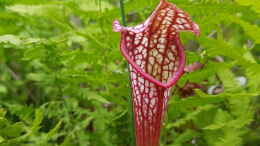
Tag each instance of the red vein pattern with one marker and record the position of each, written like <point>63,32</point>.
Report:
<point>157,61</point>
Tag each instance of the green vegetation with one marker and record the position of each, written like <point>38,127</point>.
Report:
<point>64,82</point>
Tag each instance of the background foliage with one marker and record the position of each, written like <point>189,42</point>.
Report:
<point>63,80</point>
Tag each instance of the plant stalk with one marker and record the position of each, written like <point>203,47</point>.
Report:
<point>131,111</point>
<point>122,10</point>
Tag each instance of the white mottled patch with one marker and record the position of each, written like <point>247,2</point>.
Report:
<point>142,88</point>
<point>173,33</point>
<point>137,41</point>
<point>128,38</point>
<point>162,40</point>
<point>161,46</point>
<point>156,36</point>
<point>142,65</point>
<point>187,26</point>
<point>167,93</point>
<point>146,84</point>
<point>178,21</point>
<point>164,22</point>
<point>170,13</point>
<point>175,68</point>
<point>165,67</point>
<point>171,65</point>
<point>154,110</point>
<point>159,70</point>
<point>146,100</point>
<point>145,41</point>
<point>134,76</point>
<point>151,60</point>
<point>163,11</point>
<point>164,31</point>
<point>144,53</point>
<point>181,27</point>
<point>181,15</point>
<point>163,27</point>
<point>138,62</point>
<point>146,90</point>
<point>168,9</point>
<point>170,55</point>
<point>139,35</point>
<point>154,52</point>
<point>159,58</point>
<point>140,48</point>
<point>161,50</point>
<point>175,26</point>
<point>149,68</point>
<point>134,82</point>
<point>151,94</point>
<point>155,69</point>
<point>183,20</point>
<point>153,101</point>
<point>166,60</point>
<point>137,57</point>
<point>173,47</point>
<point>135,52</point>
<point>159,18</point>
<point>169,19</point>
<point>165,74</point>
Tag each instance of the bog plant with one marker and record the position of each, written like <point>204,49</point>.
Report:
<point>64,82</point>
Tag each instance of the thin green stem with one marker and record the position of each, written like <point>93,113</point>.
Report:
<point>131,116</point>
<point>122,9</point>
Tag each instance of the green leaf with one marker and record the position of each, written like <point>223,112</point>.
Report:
<point>184,137</point>
<point>1,139</point>
<point>2,112</point>
<point>36,76</point>
<point>12,39</point>
<point>12,131</point>
<point>255,4</point>
<point>252,30</point>
<point>94,5</point>
<point>189,117</point>
<point>54,131</point>
<point>96,97</point>
<point>37,121</point>
<point>228,78</point>
<point>3,89</point>
<point>220,121</point>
